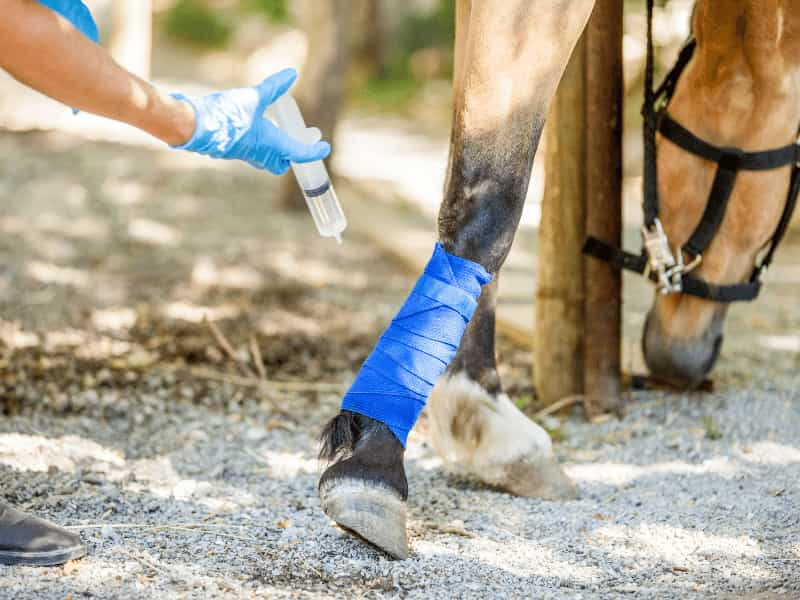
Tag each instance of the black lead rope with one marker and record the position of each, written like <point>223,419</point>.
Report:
<point>656,260</point>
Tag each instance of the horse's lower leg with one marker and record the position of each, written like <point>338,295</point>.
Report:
<point>479,431</point>
<point>498,120</point>
<point>510,56</point>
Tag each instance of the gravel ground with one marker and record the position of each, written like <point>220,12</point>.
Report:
<point>185,487</point>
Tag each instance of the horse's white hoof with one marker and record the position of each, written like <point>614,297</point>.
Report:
<point>489,438</point>
<point>375,513</point>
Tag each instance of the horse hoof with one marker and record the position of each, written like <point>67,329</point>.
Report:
<point>374,513</point>
<point>365,488</point>
<point>543,479</point>
<point>487,437</point>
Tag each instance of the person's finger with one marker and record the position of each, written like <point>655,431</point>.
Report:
<point>281,167</point>
<point>313,152</point>
<point>299,152</point>
<point>274,87</point>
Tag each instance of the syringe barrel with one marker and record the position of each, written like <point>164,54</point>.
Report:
<point>312,177</point>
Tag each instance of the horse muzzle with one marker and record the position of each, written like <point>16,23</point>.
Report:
<point>683,361</point>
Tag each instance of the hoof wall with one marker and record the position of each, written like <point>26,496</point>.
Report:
<point>374,513</point>
<point>543,479</point>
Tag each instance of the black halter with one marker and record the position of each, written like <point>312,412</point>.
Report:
<point>656,260</point>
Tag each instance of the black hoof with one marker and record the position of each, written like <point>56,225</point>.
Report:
<point>365,489</point>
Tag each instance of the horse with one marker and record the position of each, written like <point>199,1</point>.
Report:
<point>739,89</point>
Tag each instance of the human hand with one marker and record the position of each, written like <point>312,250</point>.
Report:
<point>231,125</point>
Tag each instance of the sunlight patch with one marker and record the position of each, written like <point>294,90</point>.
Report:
<point>195,313</point>
<point>286,465</point>
<point>621,473</point>
<point>281,322</point>
<point>38,453</point>
<point>153,233</point>
<point>675,545</point>
<point>206,274</point>
<point>114,319</point>
<point>15,338</point>
<point>770,453</point>
<point>316,273</point>
<point>784,343</point>
<point>49,273</point>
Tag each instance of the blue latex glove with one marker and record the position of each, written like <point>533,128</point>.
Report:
<point>232,125</point>
<point>76,13</point>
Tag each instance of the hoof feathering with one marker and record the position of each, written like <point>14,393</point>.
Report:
<point>489,438</point>
<point>373,512</point>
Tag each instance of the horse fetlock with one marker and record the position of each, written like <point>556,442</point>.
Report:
<point>364,489</point>
<point>487,437</point>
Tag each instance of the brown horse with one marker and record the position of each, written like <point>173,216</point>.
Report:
<point>739,90</point>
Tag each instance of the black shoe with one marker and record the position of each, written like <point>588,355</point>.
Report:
<point>30,541</point>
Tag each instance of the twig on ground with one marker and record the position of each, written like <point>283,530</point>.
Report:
<point>149,525</point>
<point>256,457</point>
<point>557,406</point>
<point>192,527</point>
<point>226,346</point>
<point>151,565</point>
<point>202,529</point>
<point>257,360</point>
<point>451,529</point>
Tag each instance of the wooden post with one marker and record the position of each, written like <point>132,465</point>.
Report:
<point>577,335</point>
<point>132,35</point>
<point>603,322</point>
<point>558,335</point>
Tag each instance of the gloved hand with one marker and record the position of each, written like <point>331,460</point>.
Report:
<point>76,13</point>
<point>232,125</point>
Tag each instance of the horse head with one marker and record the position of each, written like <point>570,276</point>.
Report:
<point>740,90</point>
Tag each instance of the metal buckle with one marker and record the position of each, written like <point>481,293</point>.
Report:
<point>667,267</point>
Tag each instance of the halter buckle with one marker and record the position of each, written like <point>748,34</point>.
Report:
<point>668,268</point>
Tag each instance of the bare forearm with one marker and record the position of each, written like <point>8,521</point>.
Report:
<point>44,51</point>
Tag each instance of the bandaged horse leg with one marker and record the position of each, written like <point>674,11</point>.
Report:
<point>509,58</point>
<point>391,389</point>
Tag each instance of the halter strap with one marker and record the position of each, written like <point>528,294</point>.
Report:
<point>729,162</point>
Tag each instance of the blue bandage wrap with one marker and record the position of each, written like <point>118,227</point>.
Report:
<point>396,379</point>
<point>76,13</point>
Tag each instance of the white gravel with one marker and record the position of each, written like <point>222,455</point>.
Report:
<point>218,505</point>
<point>195,490</point>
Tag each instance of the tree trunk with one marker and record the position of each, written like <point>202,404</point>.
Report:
<point>375,38</point>
<point>320,90</point>
<point>603,321</point>
<point>131,37</point>
<point>558,335</point>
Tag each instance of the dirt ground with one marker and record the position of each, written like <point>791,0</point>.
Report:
<point>121,415</point>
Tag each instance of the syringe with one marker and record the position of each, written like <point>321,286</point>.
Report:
<point>312,177</point>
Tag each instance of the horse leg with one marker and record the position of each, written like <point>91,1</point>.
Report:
<point>510,56</point>
<point>502,95</point>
